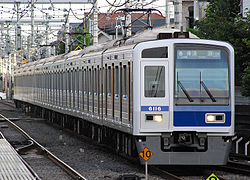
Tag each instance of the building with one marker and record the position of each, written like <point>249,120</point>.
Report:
<point>110,26</point>
<point>245,4</point>
<point>185,12</point>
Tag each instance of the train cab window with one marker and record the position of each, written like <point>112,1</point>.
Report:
<point>154,81</point>
<point>158,52</point>
<point>201,75</point>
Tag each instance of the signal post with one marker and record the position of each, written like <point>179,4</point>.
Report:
<point>146,155</point>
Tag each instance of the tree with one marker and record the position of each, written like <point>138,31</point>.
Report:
<point>245,89</point>
<point>77,37</point>
<point>224,22</point>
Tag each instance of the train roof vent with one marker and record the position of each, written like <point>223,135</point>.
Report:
<point>164,36</point>
<point>181,34</point>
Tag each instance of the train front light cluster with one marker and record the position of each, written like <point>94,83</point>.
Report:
<point>154,117</point>
<point>215,118</point>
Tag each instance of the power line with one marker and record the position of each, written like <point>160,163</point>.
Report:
<point>120,5</point>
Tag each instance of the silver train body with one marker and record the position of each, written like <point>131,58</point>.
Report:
<point>175,96</point>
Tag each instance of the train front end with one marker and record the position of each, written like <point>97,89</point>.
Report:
<point>184,101</point>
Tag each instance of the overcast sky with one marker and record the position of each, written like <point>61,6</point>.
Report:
<point>8,12</point>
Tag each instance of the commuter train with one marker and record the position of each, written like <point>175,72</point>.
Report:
<point>162,89</point>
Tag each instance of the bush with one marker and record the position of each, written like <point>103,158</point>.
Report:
<point>245,88</point>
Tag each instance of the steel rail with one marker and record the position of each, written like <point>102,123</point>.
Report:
<point>241,168</point>
<point>55,159</point>
<point>164,173</point>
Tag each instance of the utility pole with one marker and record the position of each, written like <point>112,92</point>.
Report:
<point>5,75</point>
<point>7,40</point>
<point>2,88</point>
<point>95,22</point>
<point>47,37</point>
<point>128,24</point>
<point>32,29</point>
<point>196,10</point>
<point>2,56</point>
<point>178,14</point>
<point>84,31</point>
<point>18,29</point>
<point>67,34</point>
<point>9,75</point>
<point>116,28</point>
<point>167,15</point>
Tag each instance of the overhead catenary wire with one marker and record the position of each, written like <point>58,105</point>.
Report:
<point>120,5</point>
<point>74,12</point>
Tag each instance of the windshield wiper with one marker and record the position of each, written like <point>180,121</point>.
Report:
<point>185,91</point>
<point>157,78</point>
<point>208,91</point>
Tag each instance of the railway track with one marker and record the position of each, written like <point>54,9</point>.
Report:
<point>237,167</point>
<point>164,174</point>
<point>34,144</point>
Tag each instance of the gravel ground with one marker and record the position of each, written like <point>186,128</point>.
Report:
<point>92,161</point>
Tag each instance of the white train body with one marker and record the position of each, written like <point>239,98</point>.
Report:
<point>174,96</point>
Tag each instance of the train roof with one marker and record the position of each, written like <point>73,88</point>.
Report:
<point>146,35</point>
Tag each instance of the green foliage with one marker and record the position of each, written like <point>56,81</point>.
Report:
<point>88,38</point>
<point>223,22</point>
<point>60,49</point>
<point>245,88</point>
<point>78,40</point>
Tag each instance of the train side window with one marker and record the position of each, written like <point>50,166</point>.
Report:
<point>158,52</point>
<point>124,81</point>
<point>109,81</point>
<point>116,81</point>
<point>64,82</point>
<point>69,76</point>
<point>154,81</point>
<point>90,82</point>
<point>95,81</point>
<point>84,81</point>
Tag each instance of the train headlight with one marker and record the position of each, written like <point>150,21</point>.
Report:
<point>211,118</point>
<point>215,118</point>
<point>158,117</point>
<point>154,117</point>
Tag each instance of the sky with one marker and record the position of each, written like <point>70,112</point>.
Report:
<point>8,12</point>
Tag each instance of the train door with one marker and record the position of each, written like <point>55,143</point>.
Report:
<point>154,96</point>
<point>64,83</point>
<point>91,95</point>
<point>109,100</point>
<point>77,74</point>
<point>81,84</point>
<point>101,91</point>
<point>125,92</point>
<point>72,89</point>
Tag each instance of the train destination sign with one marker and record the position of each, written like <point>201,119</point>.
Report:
<point>198,54</point>
<point>146,154</point>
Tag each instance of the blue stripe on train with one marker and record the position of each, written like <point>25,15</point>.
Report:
<point>195,115</point>
<point>154,108</point>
